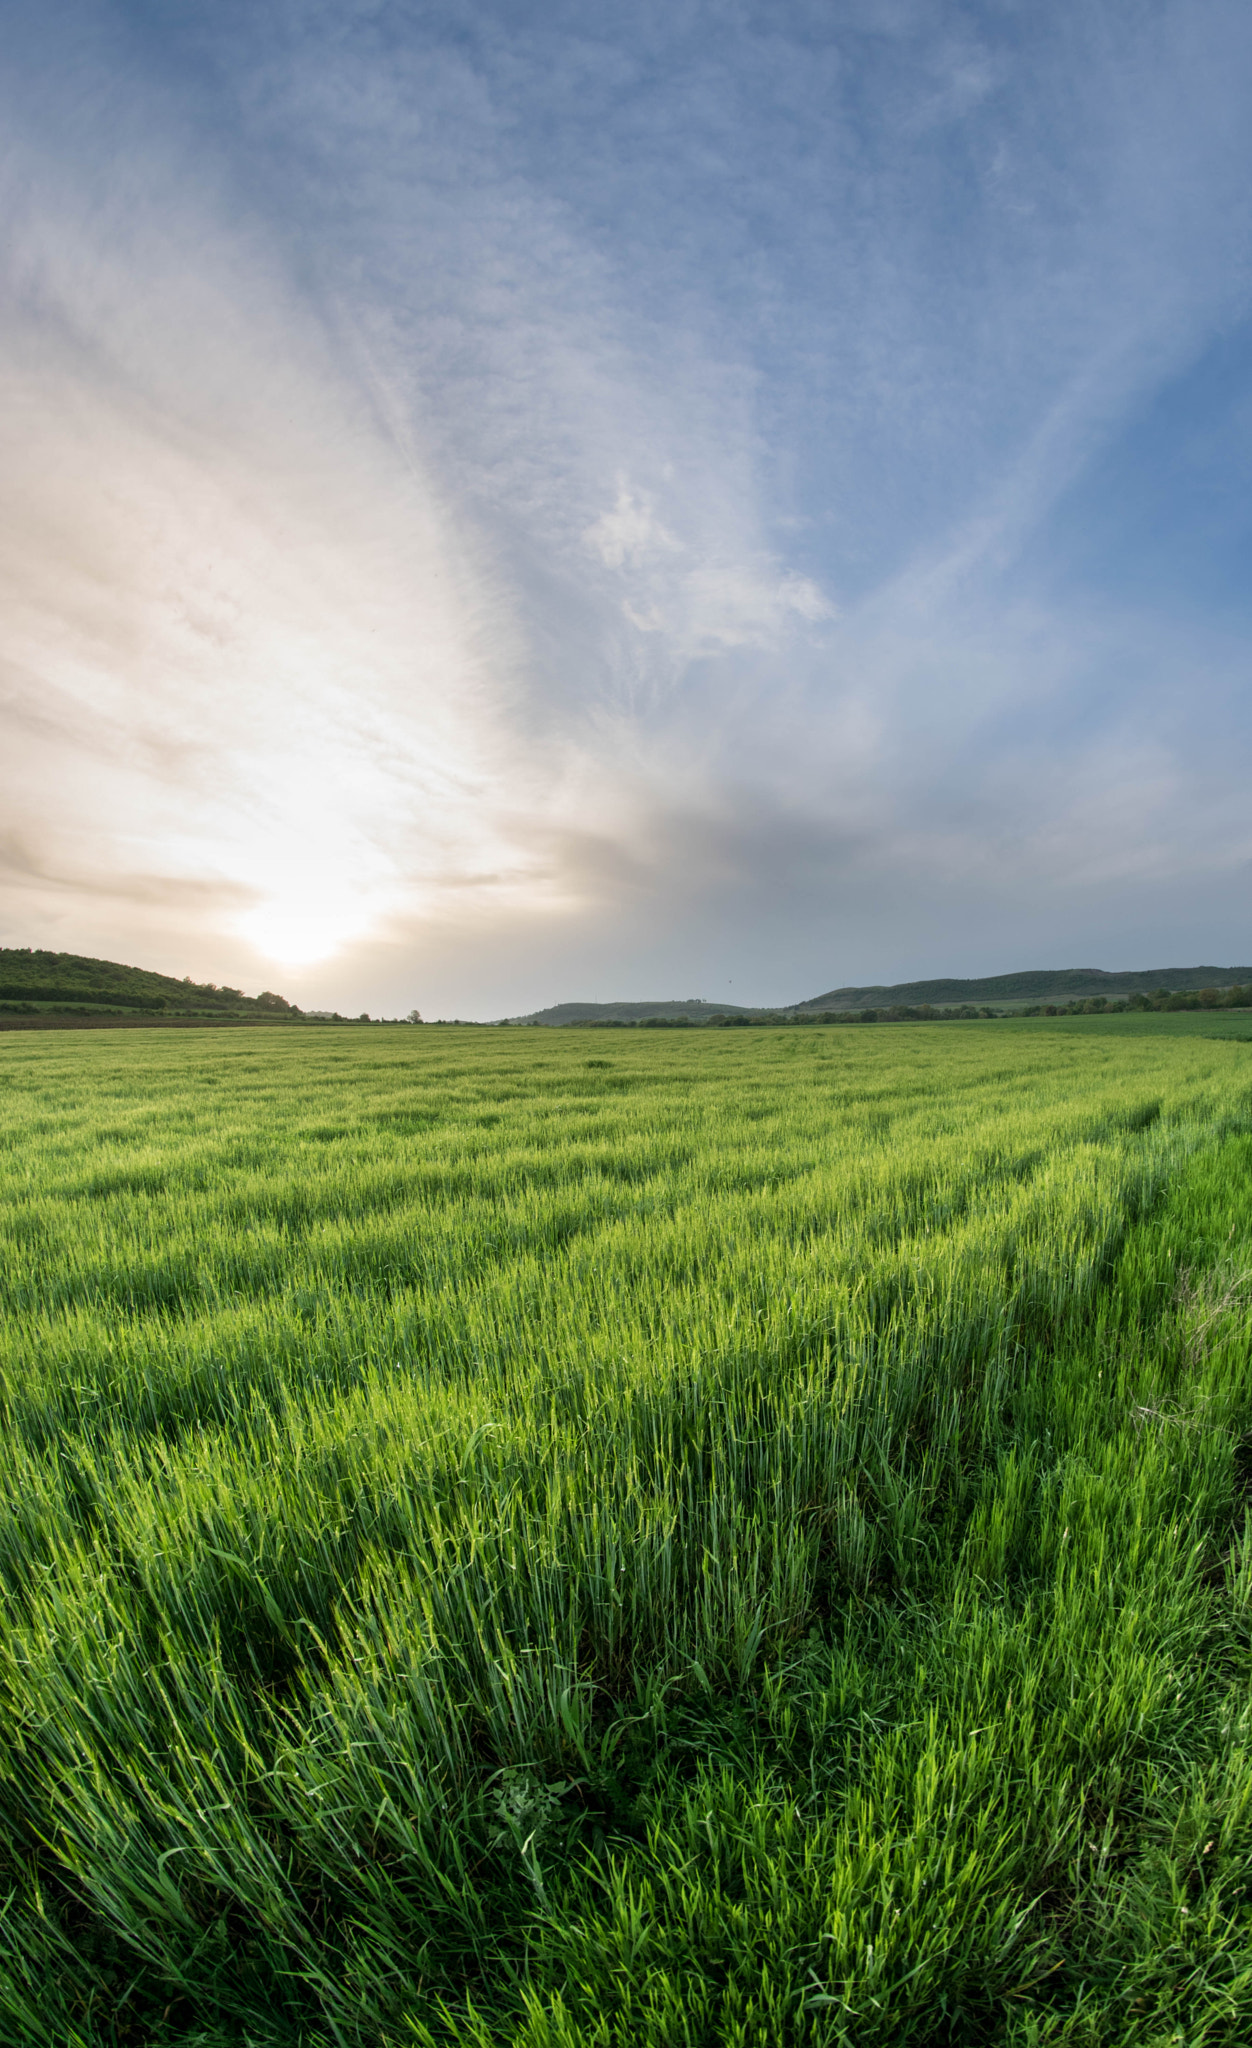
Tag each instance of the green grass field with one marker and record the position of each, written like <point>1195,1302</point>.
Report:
<point>576,1539</point>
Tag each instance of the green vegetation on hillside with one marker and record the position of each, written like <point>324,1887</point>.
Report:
<point>1067,993</point>
<point>1208,1001</point>
<point>31,981</point>
<point>686,1010</point>
<point>671,1016</point>
<point>673,1538</point>
<point>1039,985</point>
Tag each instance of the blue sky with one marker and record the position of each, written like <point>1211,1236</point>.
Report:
<point>505,503</point>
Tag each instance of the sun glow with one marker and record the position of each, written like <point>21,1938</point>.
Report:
<point>300,931</point>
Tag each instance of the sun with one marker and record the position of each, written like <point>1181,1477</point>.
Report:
<point>301,930</point>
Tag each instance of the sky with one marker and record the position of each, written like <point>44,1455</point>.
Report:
<point>504,502</point>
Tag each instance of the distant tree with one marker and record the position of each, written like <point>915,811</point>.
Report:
<point>414,1017</point>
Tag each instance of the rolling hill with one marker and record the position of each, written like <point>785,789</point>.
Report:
<point>1038,985</point>
<point>692,1008</point>
<point>36,983</point>
<point>32,980</point>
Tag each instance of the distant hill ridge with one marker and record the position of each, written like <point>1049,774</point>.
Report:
<point>32,979</point>
<point>629,1013</point>
<point>1034,985</point>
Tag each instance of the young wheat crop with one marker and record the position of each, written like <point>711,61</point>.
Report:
<point>574,1539</point>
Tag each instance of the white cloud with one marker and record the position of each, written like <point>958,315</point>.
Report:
<point>630,533</point>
